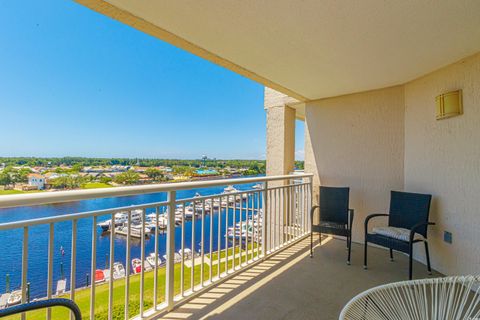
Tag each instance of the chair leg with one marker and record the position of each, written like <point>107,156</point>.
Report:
<point>349,245</point>
<point>311,244</point>
<point>365,255</point>
<point>410,262</point>
<point>391,254</point>
<point>429,268</point>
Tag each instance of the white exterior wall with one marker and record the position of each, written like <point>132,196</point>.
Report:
<point>36,182</point>
<point>358,141</point>
<point>389,139</point>
<point>443,158</point>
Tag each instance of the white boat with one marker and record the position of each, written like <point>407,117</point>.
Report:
<point>162,220</point>
<point>135,231</point>
<point>118,270</point>
<point>138,228</point>
<point>121,218</point>
<point>136,265</point>
<point>146,265</point>
<point>151,260</point>
<point>230,189</point>
<point>177,257</point>
<point>14,298</point>
<point>189,212</point>
<point>199,208</point>
<point>61,287</point>
<point>245,231</point>
<point>106,273</point>
<point>258,186</point>
<point>187,253</point>
<point>215,204</point>
<point>231,198</point>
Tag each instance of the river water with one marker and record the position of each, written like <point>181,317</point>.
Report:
<point>11,241</point>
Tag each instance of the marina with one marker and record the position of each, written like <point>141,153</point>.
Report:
<point>201,209</point>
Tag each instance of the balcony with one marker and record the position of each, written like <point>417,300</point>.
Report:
<point>137,261</point>
<point>291,285</point>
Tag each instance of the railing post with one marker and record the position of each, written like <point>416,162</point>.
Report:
<point>265,220</point>
<point>310,204</point>
<point>170,250</point>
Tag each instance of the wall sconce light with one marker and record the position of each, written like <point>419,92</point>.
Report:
<point>449,105</point>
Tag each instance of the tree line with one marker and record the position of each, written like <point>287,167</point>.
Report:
<point>81,161</point>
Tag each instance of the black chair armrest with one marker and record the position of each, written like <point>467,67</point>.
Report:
<point>41,304</point>
<point>367,219</point>
<point>418,226</point>
<point>312,211</point>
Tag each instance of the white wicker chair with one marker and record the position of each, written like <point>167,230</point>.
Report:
<point>449,298</point>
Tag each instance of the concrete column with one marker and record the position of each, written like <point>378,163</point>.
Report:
<point>280,133</point>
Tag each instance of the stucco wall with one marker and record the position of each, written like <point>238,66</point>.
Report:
<point>443,158</point>
<point>357,140</point>
<point>280,140</point>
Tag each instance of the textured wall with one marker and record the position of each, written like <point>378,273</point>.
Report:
<point>357,140</point>
<point>443,158</point>
<point>280,140</point>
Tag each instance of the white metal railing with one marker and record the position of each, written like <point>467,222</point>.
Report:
<point>206,238</point>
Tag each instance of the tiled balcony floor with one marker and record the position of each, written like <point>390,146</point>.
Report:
<point>291,285</point>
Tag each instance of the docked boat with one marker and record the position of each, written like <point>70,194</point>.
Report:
<point>187,253</point>
<point>146,265</point>
<point>121,218</point>
<point>135,230</point>
<point>246,230</point>
<point>106,273</point>
<point>14,298</point>
<point>151,260</point>
<point>176,258</point>
<point>118,271</point>
<point>61,287</point>
<point>189,212</point>
<point>162,220</point>
<point>233,198</point>
<point>136,265</point>
<point>99,276</point>
<point>230,189</point>
<point>258,186</point>
<point>199,208</point>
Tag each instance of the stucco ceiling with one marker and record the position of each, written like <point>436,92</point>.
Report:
<point>313,49</point>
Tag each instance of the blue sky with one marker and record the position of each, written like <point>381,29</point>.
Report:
<point>75,83</point>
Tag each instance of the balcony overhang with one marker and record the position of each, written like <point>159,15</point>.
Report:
<point>312,49</point>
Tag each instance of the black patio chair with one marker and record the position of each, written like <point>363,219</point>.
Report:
<point>407,220</point>
<point>335,216</point>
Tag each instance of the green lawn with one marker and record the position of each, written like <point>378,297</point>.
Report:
<point>82,296</point>
<point>95,185</point>
<point>7,192</point>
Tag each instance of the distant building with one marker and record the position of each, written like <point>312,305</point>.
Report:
<point>36,180</point>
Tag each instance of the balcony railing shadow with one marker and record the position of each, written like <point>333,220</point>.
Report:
<point>291,285</point>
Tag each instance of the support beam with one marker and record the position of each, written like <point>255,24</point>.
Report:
<point>280,133</point>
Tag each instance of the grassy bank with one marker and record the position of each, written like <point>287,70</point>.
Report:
<point>95,185</point>
<point>82,296</point>
<point>7,192</point>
